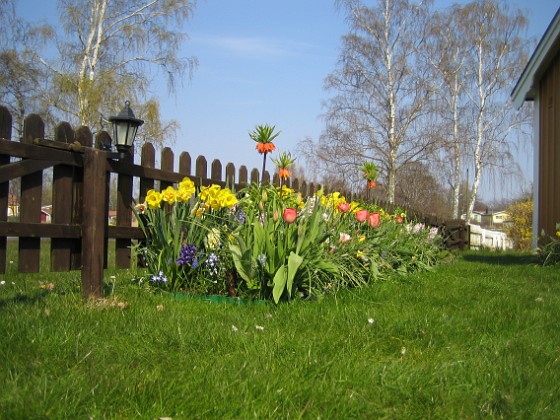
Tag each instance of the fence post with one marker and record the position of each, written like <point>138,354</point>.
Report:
<point>5,133</point>
<point>94,222</point>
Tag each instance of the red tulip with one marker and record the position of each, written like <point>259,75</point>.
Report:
<point>361,215</point>
<point>374,219</point>
<point>290,215</point>
<point>343,207</point>
<point>399,219</point>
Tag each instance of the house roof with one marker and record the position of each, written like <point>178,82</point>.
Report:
<point>527,86</point>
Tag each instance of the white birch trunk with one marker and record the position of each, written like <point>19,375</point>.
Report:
<point>457,152</point>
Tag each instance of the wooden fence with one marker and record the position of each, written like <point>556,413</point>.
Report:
<point>79,229</point>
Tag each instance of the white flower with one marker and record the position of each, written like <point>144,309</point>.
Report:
<point>259,328</point>
<point>234,328</point>
<point>403,351</point>
<point>344,237</point>
<point>2,283</point>
<point>371,321</point>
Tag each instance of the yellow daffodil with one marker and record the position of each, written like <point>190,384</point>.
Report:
<point>169,195</point>
<point>153,199</point>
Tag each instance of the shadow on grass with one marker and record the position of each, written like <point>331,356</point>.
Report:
<point>498,258</point>
<point>23,299</point>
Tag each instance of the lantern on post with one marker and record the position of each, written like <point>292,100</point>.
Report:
<point>125,126</point>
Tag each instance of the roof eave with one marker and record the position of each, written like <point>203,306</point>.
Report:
<point>526,87</point>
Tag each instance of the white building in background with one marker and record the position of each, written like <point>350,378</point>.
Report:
<point>490,239</point>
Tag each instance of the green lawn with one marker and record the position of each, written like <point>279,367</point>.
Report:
<point>475,338</point>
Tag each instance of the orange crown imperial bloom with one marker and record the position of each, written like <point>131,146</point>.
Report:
<point>371,184</point>
<point>283,173</point>
<point>265,147</point>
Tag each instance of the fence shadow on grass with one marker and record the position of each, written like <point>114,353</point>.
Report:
<point>23,299</point>
<point>499,258</point>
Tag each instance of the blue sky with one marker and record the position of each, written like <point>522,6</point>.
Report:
<point>265,62</point>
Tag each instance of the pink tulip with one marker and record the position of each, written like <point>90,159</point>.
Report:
<point>374,220</point>
<point>343,207</point>
<point>290,215</point>
<point>361,215</point>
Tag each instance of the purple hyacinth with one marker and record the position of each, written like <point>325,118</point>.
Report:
<point>239,216</point>
<point>187,256</point>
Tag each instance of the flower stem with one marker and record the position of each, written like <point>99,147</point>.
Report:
<point>264,164</point>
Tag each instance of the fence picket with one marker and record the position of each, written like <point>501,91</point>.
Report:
<point>5,133</point>
<point>185,164</point>
<point>30,201</point>
<point>124,213</point>
<point>61,248</point>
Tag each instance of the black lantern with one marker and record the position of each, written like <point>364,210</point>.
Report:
<point>125,126</point>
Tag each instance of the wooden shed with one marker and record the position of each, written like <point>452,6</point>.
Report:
<point>540,82</point>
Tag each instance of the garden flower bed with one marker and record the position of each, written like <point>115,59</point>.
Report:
<point>267,242</point>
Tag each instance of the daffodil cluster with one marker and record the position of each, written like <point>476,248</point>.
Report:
<point>170,195</point>
<point>216,197</point>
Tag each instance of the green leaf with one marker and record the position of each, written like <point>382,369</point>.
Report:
<point>243,264</point>
<point>294,262</point>
<point>279,281</point>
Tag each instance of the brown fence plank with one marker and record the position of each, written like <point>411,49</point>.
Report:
<point>124,214</point>
<point>22,168</point>
<point>216,170</point>
<point>201,170</point>
<point>30,202</point>
<point>243,176</point>
<point>39,230</point>
<point>63,175</point>
<point>6,133</point>
<point>185,164</point>
<point>147,161</point>
<point>102,141</point>
<point>40,152</point>
<point>84,137</point>
<point>94,223</point>
<point>167,158</point>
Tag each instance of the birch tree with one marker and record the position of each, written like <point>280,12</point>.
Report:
<point>109,53</point>
<point>20,76</point>
<point>496,56</point>
<point>381,89</point>
<point>446,54</point>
